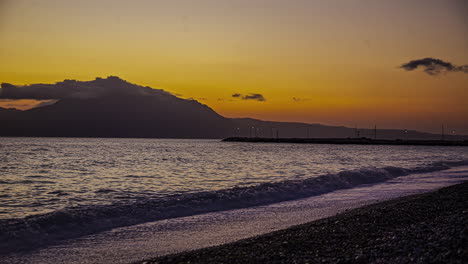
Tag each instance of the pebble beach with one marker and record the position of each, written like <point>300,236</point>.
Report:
<point>424,228</point>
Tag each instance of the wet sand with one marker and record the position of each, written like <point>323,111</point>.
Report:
<point>424,228</point>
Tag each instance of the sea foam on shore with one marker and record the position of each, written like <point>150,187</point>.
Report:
<point>143,241</point>
<point>424,228</point>
<point>72,222</point>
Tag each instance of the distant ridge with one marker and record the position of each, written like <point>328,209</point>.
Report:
<point>112,107</point>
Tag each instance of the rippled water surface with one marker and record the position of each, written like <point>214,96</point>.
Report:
<point>41,175</point>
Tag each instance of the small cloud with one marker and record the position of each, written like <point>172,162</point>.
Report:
<point>257,97</point>
<point>250,96</point>
<point>202,98</point>
<point>433,66</point>
<point>297,99</point>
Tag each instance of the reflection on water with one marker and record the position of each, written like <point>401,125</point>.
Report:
<point>39,175</point>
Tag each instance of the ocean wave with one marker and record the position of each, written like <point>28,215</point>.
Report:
<point>73,222</point>
<point>25,182</point>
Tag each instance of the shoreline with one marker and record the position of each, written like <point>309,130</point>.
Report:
<point>350,141</point>
<point>421,228</point>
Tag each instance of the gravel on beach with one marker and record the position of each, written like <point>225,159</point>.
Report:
<point>424,228</point>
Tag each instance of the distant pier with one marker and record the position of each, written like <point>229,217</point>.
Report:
<point>350,141</point>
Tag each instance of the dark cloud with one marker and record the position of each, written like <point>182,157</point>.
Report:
<point>251,96</point>
<point>70,89</point>
<point>434,66</point>
<point>257,97</point>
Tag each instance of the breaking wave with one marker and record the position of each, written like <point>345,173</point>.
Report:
<point>72,222</point>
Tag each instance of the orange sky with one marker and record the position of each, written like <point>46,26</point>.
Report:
<point>338,58</point>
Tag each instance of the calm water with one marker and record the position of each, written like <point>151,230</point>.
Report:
<point>57,189</point>
<point>42,175</point>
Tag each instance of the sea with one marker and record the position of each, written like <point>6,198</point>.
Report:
<point>57,195</point>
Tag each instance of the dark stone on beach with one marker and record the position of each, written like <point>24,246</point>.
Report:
<point>424,228</point>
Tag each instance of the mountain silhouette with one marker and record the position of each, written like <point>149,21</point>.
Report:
<point>112,107</point>
<point>109,108</point>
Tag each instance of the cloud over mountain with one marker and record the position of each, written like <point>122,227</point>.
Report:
<point>112,86</point>
<point>433,66</point>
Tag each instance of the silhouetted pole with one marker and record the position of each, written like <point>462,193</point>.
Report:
<point>443,132</point>
<point>375,132</point>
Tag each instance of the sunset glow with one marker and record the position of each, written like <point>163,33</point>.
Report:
<point>329,62</point>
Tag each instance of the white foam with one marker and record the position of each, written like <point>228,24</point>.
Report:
<point>51,228</point>
<point>128,244</point>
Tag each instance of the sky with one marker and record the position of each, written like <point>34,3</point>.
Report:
<point>334,62</point>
